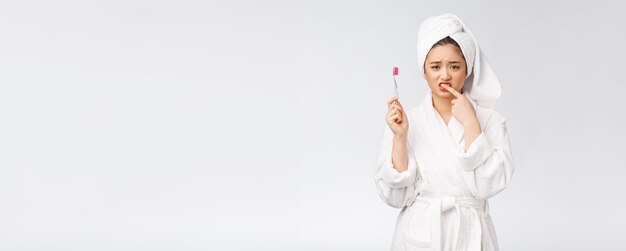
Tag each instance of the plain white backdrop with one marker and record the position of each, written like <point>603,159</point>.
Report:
<point>561,65</point>
<point>249,125</point>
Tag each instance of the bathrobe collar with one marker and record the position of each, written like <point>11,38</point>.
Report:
<point>455,129</point>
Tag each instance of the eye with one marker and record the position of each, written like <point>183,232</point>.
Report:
<point>434,67</point>
<point>456,67</point>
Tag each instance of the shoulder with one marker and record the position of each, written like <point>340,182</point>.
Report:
<point>489,118</point>
<point>413,110</point>
<point>414,116</point>
<point>493,125</point>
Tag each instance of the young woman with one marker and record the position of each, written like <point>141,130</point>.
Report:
<point>441,160</point>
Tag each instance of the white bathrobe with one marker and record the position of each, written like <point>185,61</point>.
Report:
<point>443,193</point>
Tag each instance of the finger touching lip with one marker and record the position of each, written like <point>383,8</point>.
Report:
<point>443,86</point>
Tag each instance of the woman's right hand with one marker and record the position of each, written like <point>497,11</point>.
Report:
<point>396,117</point>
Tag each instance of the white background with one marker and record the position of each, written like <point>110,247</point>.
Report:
<point>249,125</point>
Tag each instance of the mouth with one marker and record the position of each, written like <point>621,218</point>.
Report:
<point>441,86</point>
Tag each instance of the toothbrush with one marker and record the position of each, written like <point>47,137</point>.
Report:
<point>395,79</point>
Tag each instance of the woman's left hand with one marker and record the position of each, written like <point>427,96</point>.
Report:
<point>462,109</point>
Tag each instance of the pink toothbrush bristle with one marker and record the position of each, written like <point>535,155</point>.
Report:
<point>395,71</point>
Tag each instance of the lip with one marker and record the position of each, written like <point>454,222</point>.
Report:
<point>444,83</point>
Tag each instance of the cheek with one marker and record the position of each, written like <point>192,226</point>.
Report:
<point>459,76</point>
<point>431,77</point>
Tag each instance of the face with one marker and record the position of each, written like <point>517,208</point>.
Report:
<point>445,65</point>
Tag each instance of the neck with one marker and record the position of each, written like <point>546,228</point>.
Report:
<point>442,105</point>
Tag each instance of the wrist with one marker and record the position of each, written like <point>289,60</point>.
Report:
<point>400,137</point>
<point>473,123</point>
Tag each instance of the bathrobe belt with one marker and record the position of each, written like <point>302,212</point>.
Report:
<point>440,205</point>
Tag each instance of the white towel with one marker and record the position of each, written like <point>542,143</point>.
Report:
<point>481,83</point>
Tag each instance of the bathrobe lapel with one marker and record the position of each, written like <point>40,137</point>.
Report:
<point>454,133</point>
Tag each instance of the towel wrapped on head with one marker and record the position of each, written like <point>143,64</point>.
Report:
<point>481,83</point>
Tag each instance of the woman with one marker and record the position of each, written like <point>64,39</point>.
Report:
<point>441,160</point>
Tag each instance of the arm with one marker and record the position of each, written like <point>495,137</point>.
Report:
<point>399,153</point>
<point>485,157</point>
<point>487,165</point>
<point>471,132</point>
<point>396,188</point>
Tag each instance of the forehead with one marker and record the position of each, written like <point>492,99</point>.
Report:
<point>446,52</point>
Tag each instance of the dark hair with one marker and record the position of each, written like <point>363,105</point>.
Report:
<point>446,40</point>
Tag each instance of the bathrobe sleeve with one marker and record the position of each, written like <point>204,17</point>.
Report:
<point>396,189</point>
<point>487,166</point>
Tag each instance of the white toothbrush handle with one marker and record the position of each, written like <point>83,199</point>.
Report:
<point>395,82</point>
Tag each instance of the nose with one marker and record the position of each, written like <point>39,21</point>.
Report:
<point>445,75</point>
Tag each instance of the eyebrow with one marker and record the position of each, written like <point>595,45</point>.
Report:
<point>452,62</point>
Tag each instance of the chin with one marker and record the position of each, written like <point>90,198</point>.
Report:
<point>442,94</point>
